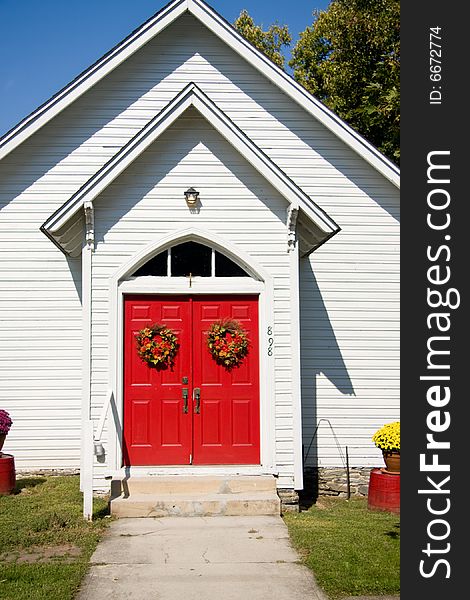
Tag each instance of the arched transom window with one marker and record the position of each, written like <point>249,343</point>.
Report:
<point>190,259</point>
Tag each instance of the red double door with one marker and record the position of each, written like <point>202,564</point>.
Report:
<point>198,412</point>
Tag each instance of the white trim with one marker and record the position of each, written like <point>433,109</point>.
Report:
<point>239,256</point>
<point>199,285</point>
<point>222,29</point>
<point>194,470</point>
<point>295,361</point>
<point>87,253</point>
<point>261,285</point>
<point>191,95</point>
<point>291,225</point>
<point>86,448</point>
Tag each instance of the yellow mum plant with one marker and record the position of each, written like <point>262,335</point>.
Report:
<point>387,438</point>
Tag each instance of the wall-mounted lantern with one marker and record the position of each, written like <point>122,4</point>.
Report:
<point>191,196</point>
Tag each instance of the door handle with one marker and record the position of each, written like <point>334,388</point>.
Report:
<point>197,397</point>
<point>185,400</point>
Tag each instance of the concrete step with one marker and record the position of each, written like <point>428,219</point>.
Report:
<point>196,505</point>
<point>195,484</point>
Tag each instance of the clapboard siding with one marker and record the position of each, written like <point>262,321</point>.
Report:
<point>350,344</point>
<point>40,355</point>
<point>41,328</point>
<point>354,292</point>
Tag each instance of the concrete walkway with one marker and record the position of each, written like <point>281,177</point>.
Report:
<point>198,558</point>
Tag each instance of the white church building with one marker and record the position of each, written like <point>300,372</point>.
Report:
<point>185,179</point>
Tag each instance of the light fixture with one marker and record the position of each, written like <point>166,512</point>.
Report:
<point>191,196</point>
<point>99,449</point>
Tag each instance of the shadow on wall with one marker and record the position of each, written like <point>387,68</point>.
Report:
<point>321,354</point>
<point>75,268</point>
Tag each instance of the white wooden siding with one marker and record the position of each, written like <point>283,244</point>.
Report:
<point>40,329</point>
<point>356,270</point>
<point>350,342</point>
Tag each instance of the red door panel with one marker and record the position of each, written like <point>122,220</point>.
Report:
<point>156,431</point>
<point>226,428</point>
<point>226,431</point>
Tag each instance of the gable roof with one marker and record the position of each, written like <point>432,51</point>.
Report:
<point>227,33</point>
<point>321,225</point>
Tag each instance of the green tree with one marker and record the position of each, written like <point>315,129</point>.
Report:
<point>270,42</point>
<point>350,59</point>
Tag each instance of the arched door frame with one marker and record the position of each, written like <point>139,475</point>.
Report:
<point>259,283</point>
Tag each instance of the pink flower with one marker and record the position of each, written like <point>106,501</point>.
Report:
<point>5,422</point>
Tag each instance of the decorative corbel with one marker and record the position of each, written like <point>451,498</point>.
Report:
<point>89,224</point>
<point>291,224</point>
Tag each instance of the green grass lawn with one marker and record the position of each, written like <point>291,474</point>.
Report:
<point>351,550</point>
<point>45,544</point>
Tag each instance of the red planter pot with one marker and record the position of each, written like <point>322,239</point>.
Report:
<point>7,474</point>
<point>384,491</point>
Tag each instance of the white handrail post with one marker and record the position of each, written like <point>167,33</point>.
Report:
<point>88,472</point>
<point>104,412</point>
<point>87,454</point>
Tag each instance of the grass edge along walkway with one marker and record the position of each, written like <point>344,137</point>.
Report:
<point>45,544</point>
<point>351,550</point>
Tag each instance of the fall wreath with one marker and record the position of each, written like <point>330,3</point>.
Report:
<point>157,346</point>
<point>228,343</point>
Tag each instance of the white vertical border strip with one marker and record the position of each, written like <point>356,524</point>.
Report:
<point>118,287</point>
<point>267,378</point>
<point>295,358</point>
<point>86,467</point>
<point>87,448</point>
<point>115,368</point>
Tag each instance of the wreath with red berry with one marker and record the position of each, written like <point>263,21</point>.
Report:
<point>228,343</point>
<point>157,346</point>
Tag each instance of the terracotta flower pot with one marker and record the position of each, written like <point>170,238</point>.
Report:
<point>392,462</point>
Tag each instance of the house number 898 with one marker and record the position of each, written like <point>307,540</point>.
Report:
<point>270,341</point>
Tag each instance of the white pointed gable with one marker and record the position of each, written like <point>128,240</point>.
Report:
<point>60,225</point>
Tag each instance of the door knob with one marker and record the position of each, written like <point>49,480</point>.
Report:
<point>185,400</point>
<point>197,397</point>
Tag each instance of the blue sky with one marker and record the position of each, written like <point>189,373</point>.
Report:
<point>44,44</point>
